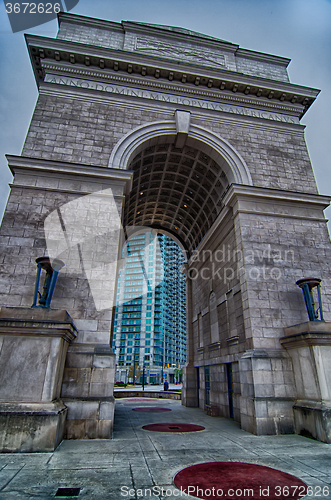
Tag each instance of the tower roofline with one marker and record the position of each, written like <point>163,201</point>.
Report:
<point>170,32</point>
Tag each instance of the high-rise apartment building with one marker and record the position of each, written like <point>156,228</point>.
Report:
<point>173,303</point>
<point>150,318</point>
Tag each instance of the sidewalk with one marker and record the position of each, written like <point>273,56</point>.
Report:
<point>136,459</point>
<point>153,388</point>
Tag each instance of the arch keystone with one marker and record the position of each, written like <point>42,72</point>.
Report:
<point>183,121</point>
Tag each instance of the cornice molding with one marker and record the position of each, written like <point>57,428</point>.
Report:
<point>115,175</point>
<point>307,335</point>
<point>237,191</point>
<point>59,53</point>
<point>35,328</point>
<point>308,327</point>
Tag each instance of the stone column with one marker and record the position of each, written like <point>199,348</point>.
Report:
<point>71,211</point>
<point>274,228</point>
<point>309,345</point>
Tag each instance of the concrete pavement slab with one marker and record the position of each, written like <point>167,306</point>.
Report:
<point>138,459</point>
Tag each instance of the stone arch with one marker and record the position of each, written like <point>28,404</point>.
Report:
<point>176,189</point>
<point>132,231</point>
<point>221,151</point>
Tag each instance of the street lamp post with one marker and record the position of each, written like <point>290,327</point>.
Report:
<point>307,286</point>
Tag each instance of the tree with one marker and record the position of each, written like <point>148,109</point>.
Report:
<point>178,375</point>
<point>134,370</point>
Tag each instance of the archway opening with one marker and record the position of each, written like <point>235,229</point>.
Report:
<point>176,192</point>
<point>149,337</point>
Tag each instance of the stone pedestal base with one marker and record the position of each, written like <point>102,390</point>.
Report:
<point>87,391</point>
<point>90,419</point>
<point>33,348</point>
<point>309,345</point>
<point>30,427</point>
<point>267,392</point>
<point>312,422</point>
<point>190,390</point>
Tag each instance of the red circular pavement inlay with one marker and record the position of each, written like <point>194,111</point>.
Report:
<point>173,427</point>
<point>233,480</point>
<point>151,409</point>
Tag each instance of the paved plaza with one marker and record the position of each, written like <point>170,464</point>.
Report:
<point>136,460</point>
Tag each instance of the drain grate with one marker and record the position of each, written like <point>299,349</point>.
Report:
<point>67,492</point>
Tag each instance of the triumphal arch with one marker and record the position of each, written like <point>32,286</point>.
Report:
<point>155,126</point>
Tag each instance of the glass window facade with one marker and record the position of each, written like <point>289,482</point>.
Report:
<point>151,303</point>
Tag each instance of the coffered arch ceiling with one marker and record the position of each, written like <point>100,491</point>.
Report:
<point>179,190</point>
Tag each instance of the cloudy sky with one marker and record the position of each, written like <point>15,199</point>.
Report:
<point>297,29</point>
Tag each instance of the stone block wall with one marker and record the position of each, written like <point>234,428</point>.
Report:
<point>249,66</point>
<point>87,392</point>
<point>82,131</point>
<point>216,271</point>
<point>278,250</point>
<point>92,367</point>
<point>113,37</point>
<point>276,155</point>
<point>23,240</point>
<point>74,130</point>
<point>218,395</point>
<point>33,197</point>
<point>89,419</point>
<point>260,301</point>
<point>201,391</point>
